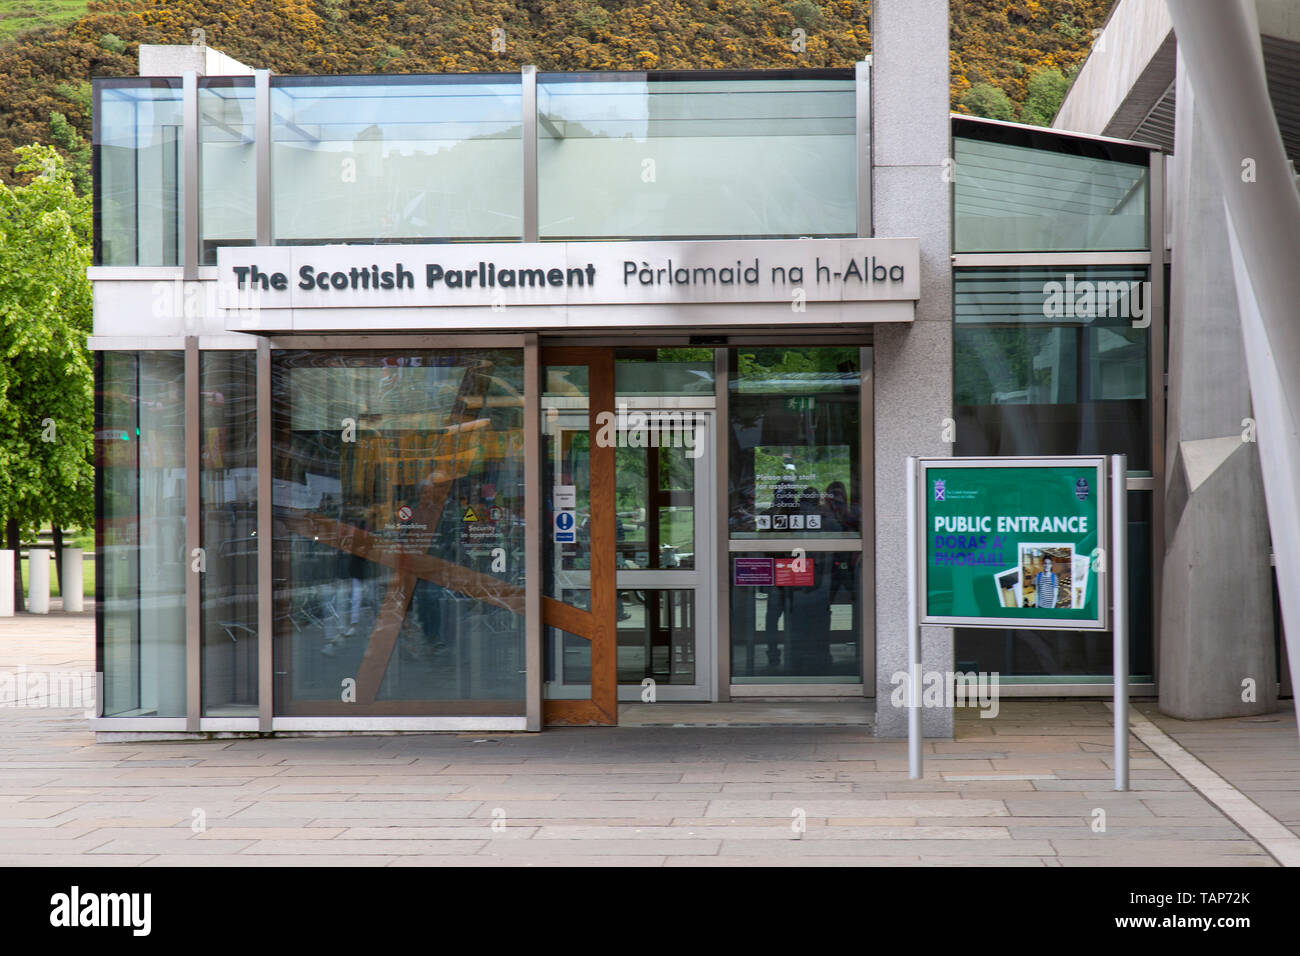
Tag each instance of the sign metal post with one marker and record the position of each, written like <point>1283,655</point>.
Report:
<point>1119,610</point>
<point>1018,543</point>
<point>914,737</point>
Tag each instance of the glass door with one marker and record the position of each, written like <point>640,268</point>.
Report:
<point>663,522</point>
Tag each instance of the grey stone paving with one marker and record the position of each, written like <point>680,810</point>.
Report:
<point>1024,789</point>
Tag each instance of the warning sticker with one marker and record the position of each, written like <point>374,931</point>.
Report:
<point>469,515</point>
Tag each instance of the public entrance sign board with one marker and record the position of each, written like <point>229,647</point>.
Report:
<point>1014,542</point>
<point>1018,543</point>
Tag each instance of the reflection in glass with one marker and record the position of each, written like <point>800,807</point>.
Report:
<point>399,551</point>
<point>139,186</point>
<point>1057,194</point>
<point>396,158</point>
<point>140,462</point>
<point>227,164</point>
<point>1033,377</point>
<point>803,627</point>
<point>656,372</point>
<point>656,636</point>
<point>655,497</point>
<point>795,443</point>
<point>228,498</point>
<point>744,158</point>
<point>568,666</point>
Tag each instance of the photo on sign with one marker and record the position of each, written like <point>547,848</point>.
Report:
<point>1047,575</point>
<point>1010,587</point>
<point>1079,585</point>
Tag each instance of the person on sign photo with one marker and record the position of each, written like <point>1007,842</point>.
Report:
<point>1045,583</point>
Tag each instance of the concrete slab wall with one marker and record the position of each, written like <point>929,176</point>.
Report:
<point>1116,69</point>
<point>1217,603</point>
<point>911,138</point>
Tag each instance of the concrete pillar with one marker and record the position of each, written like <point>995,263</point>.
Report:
<point>7,566</point>
<point>1216,604</point>
<point>70,585</point>
<point>38,580</point>
<point>911,138</point>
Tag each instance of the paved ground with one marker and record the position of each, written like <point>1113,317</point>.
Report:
<point>1026,788</point>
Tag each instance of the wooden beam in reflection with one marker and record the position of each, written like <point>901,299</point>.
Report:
<point>356,541</point>
<point>453,443</point>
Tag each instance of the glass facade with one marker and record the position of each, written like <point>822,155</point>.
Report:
<point>437,158</point>
<point>140,558</point>
<point>398,501</point>
<point>228,503</point>
<point>637,155</point>
<point>1052,361</point>
<point>1055,359</point>
<point>1034,191</point>
<point>227,164</point>
<point>139,179</point>
<point>398,474</point>
<point>795,475</point>
<point>795,444</point>
<point>396,158</point>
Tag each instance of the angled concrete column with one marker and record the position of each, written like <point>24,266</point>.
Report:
<point>911,136</point>
<point>1217,602</point>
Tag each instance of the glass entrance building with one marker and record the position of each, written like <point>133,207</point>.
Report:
<point>487,402</point>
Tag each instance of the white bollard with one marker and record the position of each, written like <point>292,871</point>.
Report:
<point>6,584</point>
<point>38,580</point>
<point>70,581</point>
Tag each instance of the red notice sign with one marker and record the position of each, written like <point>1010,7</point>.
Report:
<point>794,572</point>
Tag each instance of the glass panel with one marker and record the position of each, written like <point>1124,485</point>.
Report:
<point>795,443</point>
<point>140,456</point>
<point>139,186</point>
<point>566,484</point>
<point>396,158</point>
<point>656,636</point>
<point>227,164</point>
<point>655,372</point>
<point>1048,362</point>
<point>635,155</point>
<point>1073,657</point>
<point>1058,194</point>
<point>793,624</point>
<point>568,666</point>
<point>399,502</point>
<point>228,497</point>
<point>655,501</point>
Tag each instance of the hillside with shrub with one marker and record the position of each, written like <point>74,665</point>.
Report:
<point>1009,60</point>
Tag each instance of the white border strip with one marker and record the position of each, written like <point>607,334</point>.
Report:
<point>1277,839</point>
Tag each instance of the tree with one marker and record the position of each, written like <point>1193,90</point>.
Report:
<point>46,381</point>
<point>1044,94</point>
<point>987,100</point>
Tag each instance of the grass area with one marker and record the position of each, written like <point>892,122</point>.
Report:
<point>87,577</point>
<point>17,16</point>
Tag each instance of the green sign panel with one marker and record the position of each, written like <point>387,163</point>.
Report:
<point>1014,542</point>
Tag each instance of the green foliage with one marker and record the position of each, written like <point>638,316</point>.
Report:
<point>806,14</point>
<point>66,136</point>
<point>46,381</point>
<point>20,16</point>
<point>46,71</point>
<point>989,101</point>
<point>1046,91</point>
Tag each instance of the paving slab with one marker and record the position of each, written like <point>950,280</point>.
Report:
<point>809,787</point>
